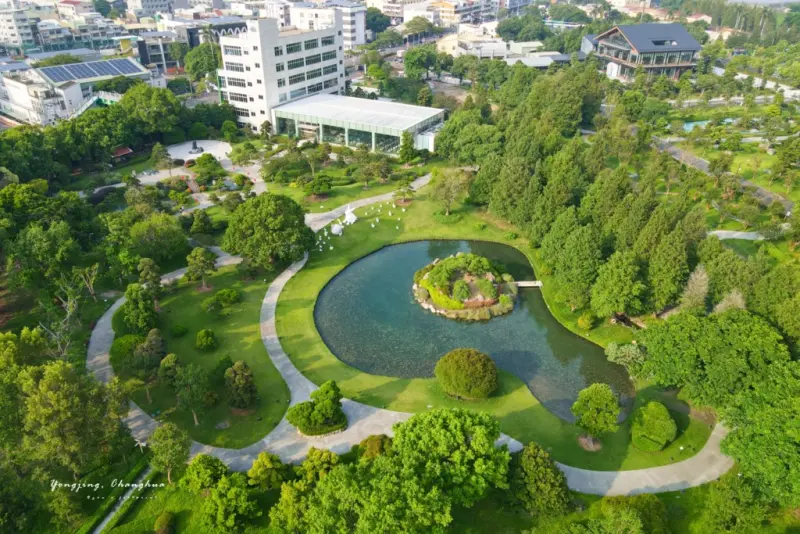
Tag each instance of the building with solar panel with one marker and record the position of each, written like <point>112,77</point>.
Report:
<point>49,94</point>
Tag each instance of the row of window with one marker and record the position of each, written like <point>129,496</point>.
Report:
<point>310,44</point>
<point>232,50</point>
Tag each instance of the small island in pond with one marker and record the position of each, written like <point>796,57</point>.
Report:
<point>465,286</point>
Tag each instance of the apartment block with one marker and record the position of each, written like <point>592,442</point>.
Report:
<point>312,15</point>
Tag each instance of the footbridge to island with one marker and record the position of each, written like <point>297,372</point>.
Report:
<point>529,283</point>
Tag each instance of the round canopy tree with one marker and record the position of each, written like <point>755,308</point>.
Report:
<point>467,373</point>
<point>268,228</point>
<point>653,427</point>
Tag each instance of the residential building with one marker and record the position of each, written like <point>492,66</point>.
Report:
<point>15,29</point>
<point>153,49</point>
<point>85,54</point>
<point>70,9</point>
<point>660,49</point>
<point>268,9</point>
<point>93,30</point>
<point>197,30</point>
<point>148,8</point>
<point>268,65</point>
<point>50,35</point>
<point>310,15</point>
<point>392,8</point>
<point>46,95</point>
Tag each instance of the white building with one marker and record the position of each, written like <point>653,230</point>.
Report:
<point>267,9</point>
<point>268,65</point>
<point>92,28</point>
<point>15,28</point>
<point>70,9</point>
<point>148,8</point>
<point>51,35</point>
<point>49,94</point>
<point>310,16</point>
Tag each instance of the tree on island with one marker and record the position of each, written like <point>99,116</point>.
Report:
<point>267,229</point>
<point>596,410</point>
<point>201,262</point>
<point>169,446</point>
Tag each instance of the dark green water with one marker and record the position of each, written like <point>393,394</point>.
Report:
<point>369,319</point>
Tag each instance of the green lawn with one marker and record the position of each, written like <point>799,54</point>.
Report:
<point>89,180</point>
<point>239,338</point>
<point>518,411</point>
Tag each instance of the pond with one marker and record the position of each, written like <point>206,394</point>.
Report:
<point>689,126</point>
<point>369,319</point>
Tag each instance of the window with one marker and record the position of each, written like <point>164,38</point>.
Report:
<point>327,41</point>
<point>255,48</point>
<point>316,73</point>
<point>327,56</point>
<point>330,69</point>
<point>311,60</point>
<point>282,97</point>
<point>295,64</point>
<point>236,82</point>
<point>232,50</point>
<point>258,82</point>
<point>234,67</point>
<point>263,112</point>
<point>278,51</point>
<point>222,82</point>
<point>311,44</point>
<point>331,83</point>
<point>261,97</point>
<point>297,92</point>
<point>316,88</point>
<point>223,95</point>
<point>257,65</point>
<point>241,112</point>
<point>281,82</point>
<point>297,78</point>
<point>278,67</point>
<point>237,97</point>
<point>294,47</point>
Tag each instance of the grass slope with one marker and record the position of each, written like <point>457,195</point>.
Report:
<point>518,411</point>
<point>240,338</point>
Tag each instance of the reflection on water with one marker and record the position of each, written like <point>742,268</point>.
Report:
<point>369,319</point>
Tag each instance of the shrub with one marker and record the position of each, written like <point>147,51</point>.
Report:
<point>653,427</point>
<point>164,523</point>
<point>629,355</point>
<point>511,236</point>
<point>178,330</point>
<point>506,301</point>
<point>121,352</point>
<point>467,373</point>
<point>486,288</point>
<point>240,384</point>
<point>228,297</point>
<point>373,446</point>
<point>480,226</point>
<point>211,304</point>
<point>203,473</point>
<point>537,483</point>
<point>168,370</point>
<point>440,299</point>
<point>586,321</point>
<point>217,375</point>
<point>206,340</point>
<point>323,414</point>
<point>460,290</point>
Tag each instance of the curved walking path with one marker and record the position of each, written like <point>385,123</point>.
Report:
<point>364,420</point>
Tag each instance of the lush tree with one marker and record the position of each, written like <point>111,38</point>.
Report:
<point>203,60</point>
<point>653,427</point>
<point>453,450</point>
<point>668,269</point>
<point>229,504</point>
<point>203,473</point>
<point>241,385</point>
<point>514,190</point>
<point>268,228</point>
<point>154,110</point>
<point>201,262</point>
<point>139,311</point>
<point>618,288</point>
<point>117,84</point>
<point>425,96</point>
<point>168,370</point>
<point>577,266</point>
<point>712,357</point>
<point>407,151</point>
<point>537,483</point>
<point>39,256</point>
<point>596,410</point>
<point>695,294</point>
<point>629,355</point>
<point>178,50</point>
<point>201,222</point>
<point>159,237</point>
<point>268,472</point>
<point>449,187</point>
<point>482,186</point>
<point>192,386</point>
<point>169,446</point>
<point>147,356</point>
<point>467,373</point>
<point>322,414</point>
<point>58,59</point>
<point>733,505</point>
<point>553,243</point>
<point>373,446</point>
<point>377,21</point>
<point>67,416</point>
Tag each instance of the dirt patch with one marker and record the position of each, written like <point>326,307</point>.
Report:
<point>401,202</point>
<point>206,289</point>
<point>589,444</point>
<point>242,412</point>
<point>316,198</point>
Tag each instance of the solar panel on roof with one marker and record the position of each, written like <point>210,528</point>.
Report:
<point>104,69</point>
<point>124,66</point>
<point>80,71</point>
<point>58,74</point>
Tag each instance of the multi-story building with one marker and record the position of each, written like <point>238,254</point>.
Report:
<point>148,8</point>
<point>50,35</point>
<point>15,29</point>
<point>46,95</point>
<point>153,48</point>
<point>70,9</point>
<point>312,15</point>
<point>391,8</point>
<point>267,66</point>
<point>268,9</point>
<point>666,49</point>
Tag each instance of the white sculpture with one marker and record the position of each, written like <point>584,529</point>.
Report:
<point>349,216</point>
<point>336,229</point>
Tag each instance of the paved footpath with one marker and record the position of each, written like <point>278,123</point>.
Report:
<point>364,420</point>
